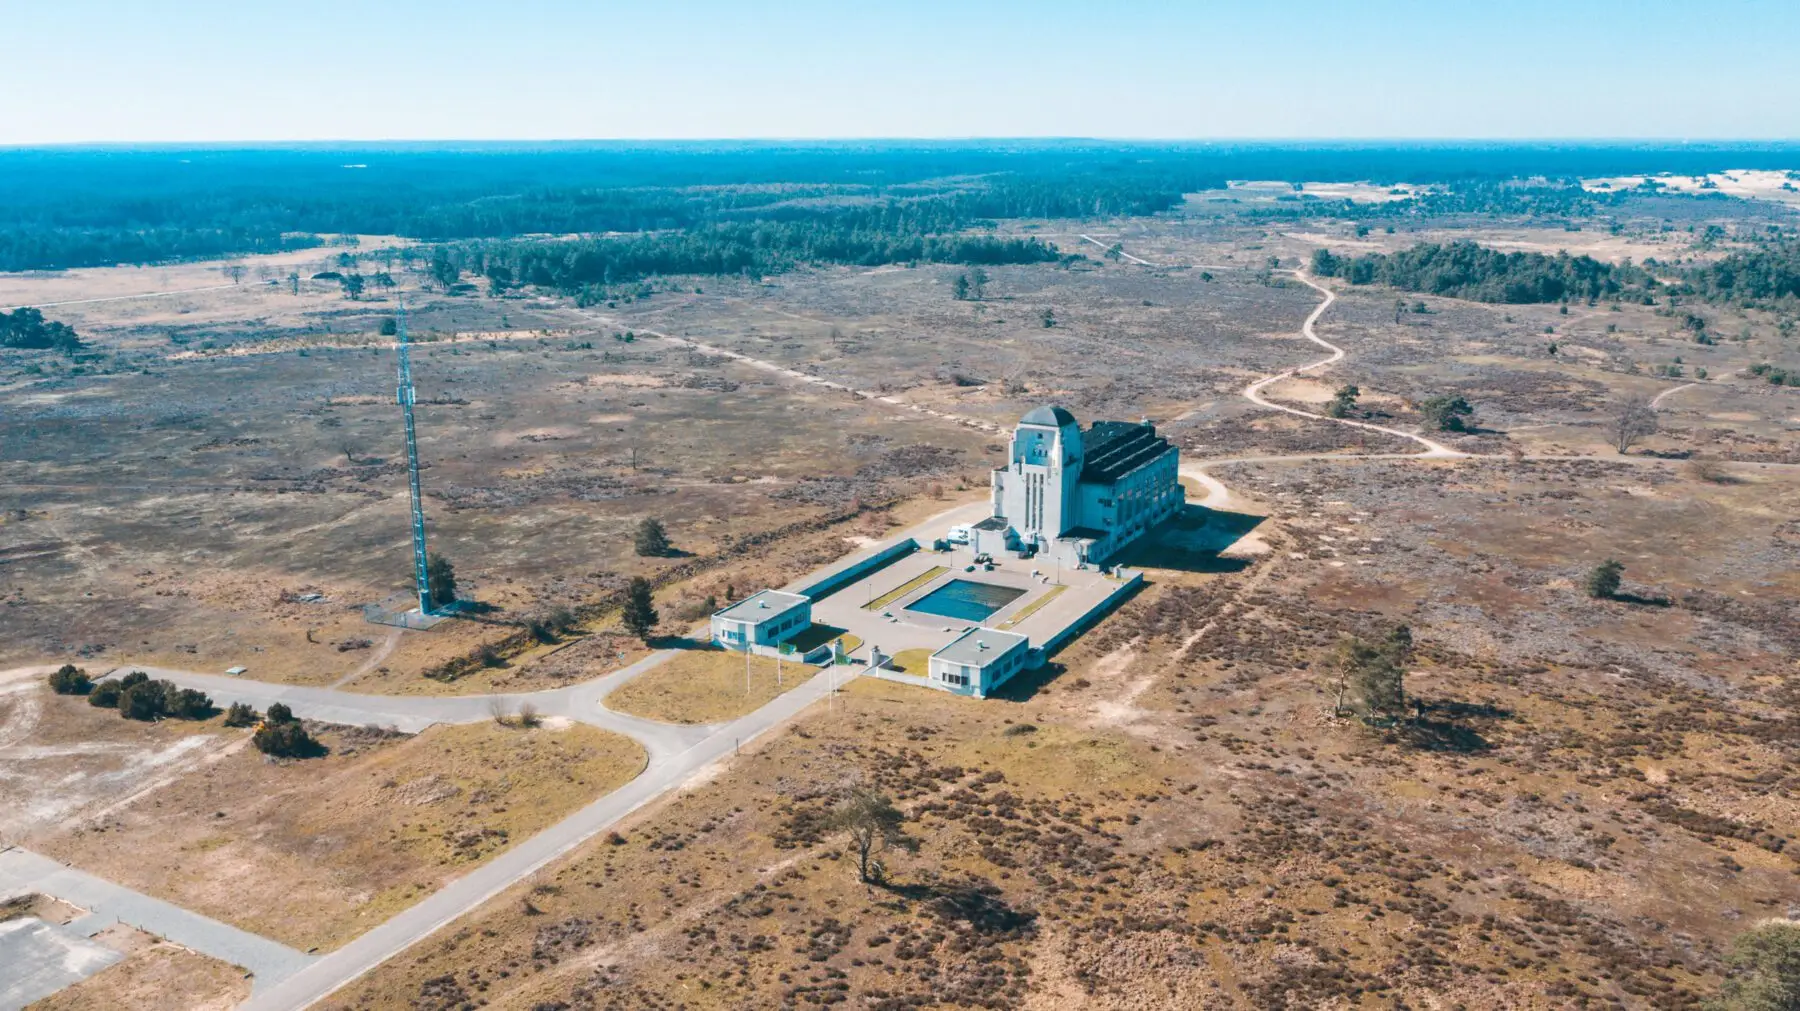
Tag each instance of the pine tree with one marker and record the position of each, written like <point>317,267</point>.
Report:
<point>652,539</point>
<point>1603,580</point>
<point>639,616</point>
<point>440,580</point>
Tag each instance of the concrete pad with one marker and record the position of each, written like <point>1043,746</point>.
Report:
<point>22,870</point>
<point>38,958</point>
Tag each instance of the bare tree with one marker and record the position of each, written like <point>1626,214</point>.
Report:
<point>1634,421</point>
<point>528,716</point>
<point>873,824</point>
<point>235,271</point>
<point>497,709</point>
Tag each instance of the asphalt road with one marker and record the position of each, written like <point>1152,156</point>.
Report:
<point>344,966</point>
<point>676,755</point>
<point>22,871</point>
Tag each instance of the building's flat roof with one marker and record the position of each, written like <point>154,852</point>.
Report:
<point>762,604</point>
<point>1116,448</point>
<point>967,648</point>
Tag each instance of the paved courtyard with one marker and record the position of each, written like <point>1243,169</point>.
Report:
<point>1055,597</point>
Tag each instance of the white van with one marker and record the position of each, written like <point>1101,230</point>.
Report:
<point>960,535</point>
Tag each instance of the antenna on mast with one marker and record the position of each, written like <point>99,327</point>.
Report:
<point>405,396</point>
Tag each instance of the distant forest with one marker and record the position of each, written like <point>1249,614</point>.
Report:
<point>1768,272</point>
<point>846,202</point>
<point>762,248</point>
<point>1467,270</point>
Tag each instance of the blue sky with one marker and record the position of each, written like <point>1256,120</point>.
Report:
<point>204,70</point>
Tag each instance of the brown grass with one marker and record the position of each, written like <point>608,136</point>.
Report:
<point>313,853</point>
<point>160,977</point>
<point>707,686</point>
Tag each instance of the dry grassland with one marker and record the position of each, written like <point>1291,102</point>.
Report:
<point>312,853</point>
<point>159,977</point>
<point>708,686</point>
<point>1597,796</point>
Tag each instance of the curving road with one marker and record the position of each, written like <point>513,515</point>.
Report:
<point>1253,392</point>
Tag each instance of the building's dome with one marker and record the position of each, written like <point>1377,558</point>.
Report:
<point>1054,417</point>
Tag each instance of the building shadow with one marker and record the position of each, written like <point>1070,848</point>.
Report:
<point>684,642</point>
<point>1025,685</point>
<point>1192,541</point>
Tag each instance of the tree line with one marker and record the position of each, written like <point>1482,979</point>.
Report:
<point>28,329</point>
<point>730,248</point>
<point>64,208</point>
<point>1470,271</point>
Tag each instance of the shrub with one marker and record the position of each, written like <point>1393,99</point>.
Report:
<point>70,680</point>
<point>286,740</point>
<point>240,715</point>
<point>105,695</point>
<point>188,704</point>
<point>1765,969</point>
<point>1447,413</point>
<point>142,701</point>
<point>1603,580</point>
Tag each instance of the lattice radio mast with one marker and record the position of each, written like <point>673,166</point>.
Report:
<point>405,396</point>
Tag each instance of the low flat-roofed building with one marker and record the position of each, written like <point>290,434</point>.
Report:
<point>765,618</point>
<point>978,661</point>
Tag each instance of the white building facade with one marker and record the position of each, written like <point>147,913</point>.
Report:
<point>764,619</point>
<point>978,661</point>
<point>1078,496</point>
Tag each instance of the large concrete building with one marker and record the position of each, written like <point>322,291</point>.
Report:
<point>1080,497</point>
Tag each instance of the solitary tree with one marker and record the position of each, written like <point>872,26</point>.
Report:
<point>1049,318</point>
<point>443,271</point>
<point>639,616</point>
<point>353,286</point>
<point>440,579</point>
<point>652,540</point>
<point>960,290</point>
<point>1603,580</point>
<point>1342,402</point>
<point>873,824</point>
<point>1374,673</point>
<point>1447,413</point>
<point>1635,420</point>
<point>1764,972</point>
<point>978,280</point>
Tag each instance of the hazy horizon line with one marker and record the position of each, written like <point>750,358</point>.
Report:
<point>1045,140</point>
